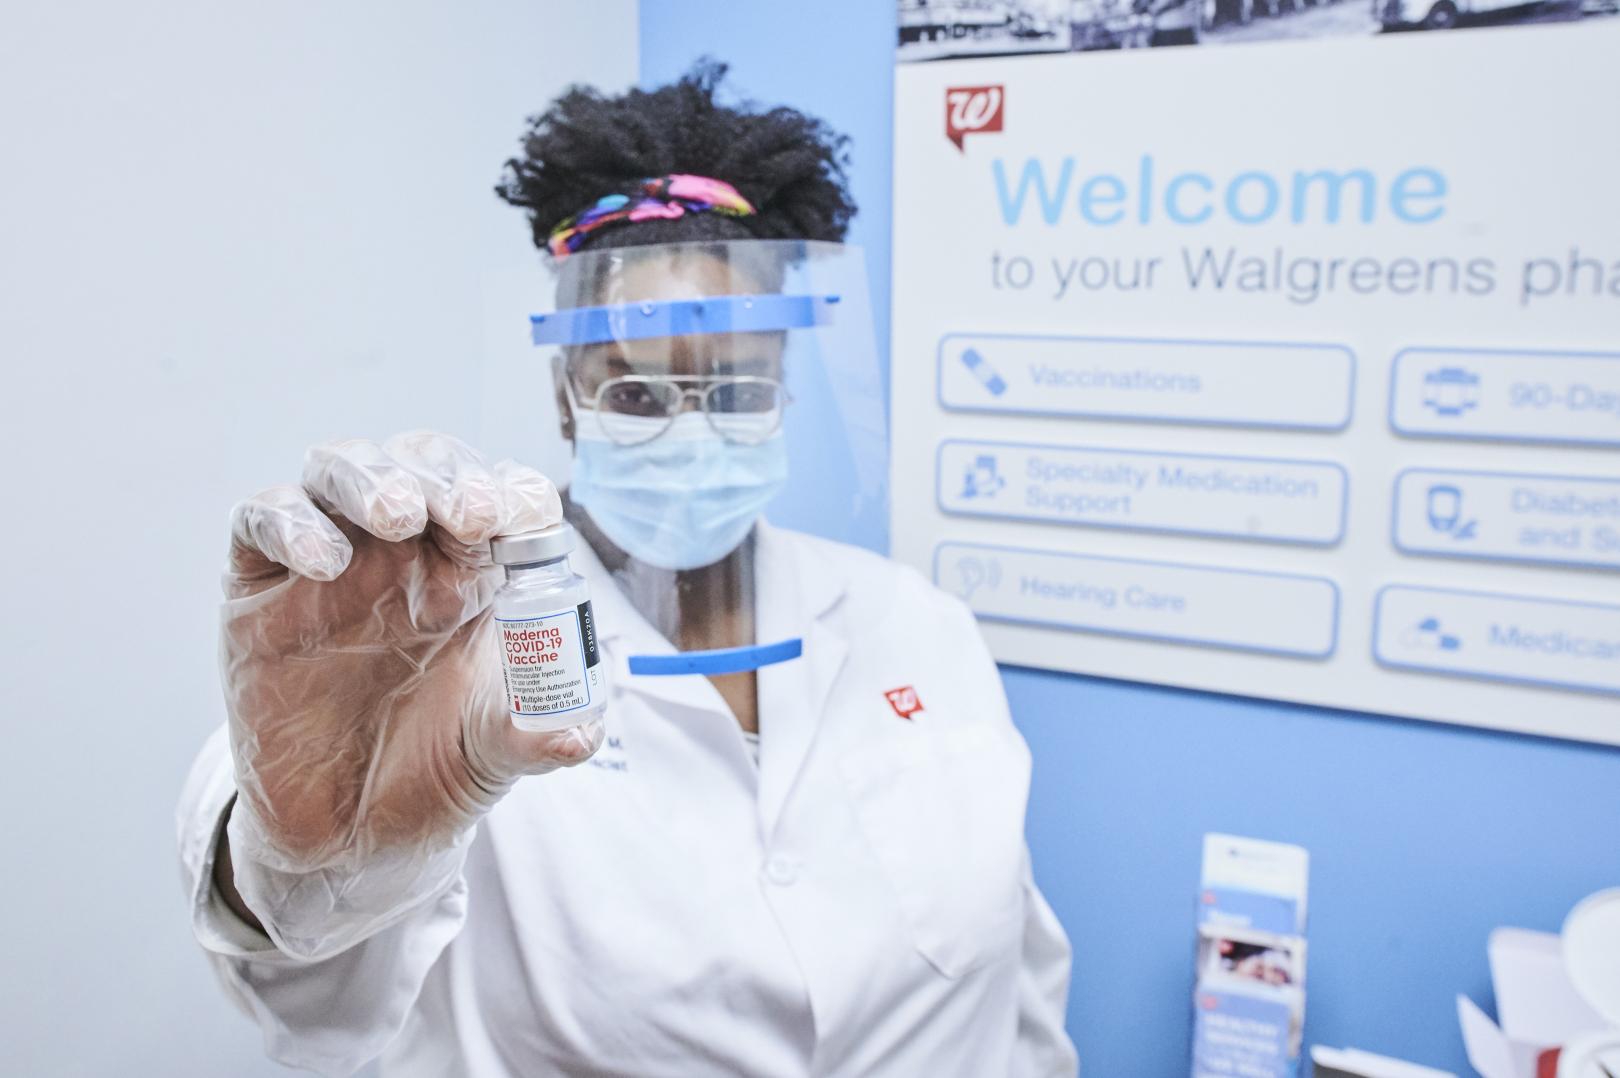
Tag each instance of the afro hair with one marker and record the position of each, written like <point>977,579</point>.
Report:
<point>790,166</point>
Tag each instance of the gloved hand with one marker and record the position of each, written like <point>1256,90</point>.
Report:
<point>362,679</point>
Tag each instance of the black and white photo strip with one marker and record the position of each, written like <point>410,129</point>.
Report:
<point>939,29</point>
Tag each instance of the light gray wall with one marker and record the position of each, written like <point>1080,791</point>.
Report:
<point>226,231</point>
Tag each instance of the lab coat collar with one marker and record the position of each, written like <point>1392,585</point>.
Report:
<point>799,590</point>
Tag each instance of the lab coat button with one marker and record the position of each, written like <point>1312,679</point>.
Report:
<point>781,869</point>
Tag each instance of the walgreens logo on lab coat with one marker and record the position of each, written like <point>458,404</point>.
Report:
<point>904,701</point>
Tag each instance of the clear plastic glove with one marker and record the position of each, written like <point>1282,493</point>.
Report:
<point>363,684</point>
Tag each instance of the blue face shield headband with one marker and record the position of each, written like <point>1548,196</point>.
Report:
<point>682,491</point>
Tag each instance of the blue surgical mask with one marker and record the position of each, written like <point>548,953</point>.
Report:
<point>682,500</point>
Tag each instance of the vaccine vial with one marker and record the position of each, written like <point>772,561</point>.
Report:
<point>553,669</point>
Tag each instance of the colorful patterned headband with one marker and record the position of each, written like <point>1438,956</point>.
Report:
<point>664,197</point>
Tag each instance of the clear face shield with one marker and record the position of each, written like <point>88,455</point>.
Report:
<point>705,387</point>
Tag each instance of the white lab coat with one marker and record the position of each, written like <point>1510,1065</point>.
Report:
<point>857,903</point>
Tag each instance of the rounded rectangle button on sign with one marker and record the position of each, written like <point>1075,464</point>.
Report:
<point>1228,383</point>
<point>1555,643</point>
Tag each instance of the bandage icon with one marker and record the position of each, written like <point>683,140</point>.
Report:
<point>980,368</point>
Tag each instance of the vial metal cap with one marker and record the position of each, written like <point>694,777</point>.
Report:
<point>525,548</point>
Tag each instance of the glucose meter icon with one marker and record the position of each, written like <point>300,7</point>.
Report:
<point>1445,511</point>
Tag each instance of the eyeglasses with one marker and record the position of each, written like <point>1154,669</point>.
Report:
<point>636,408</point>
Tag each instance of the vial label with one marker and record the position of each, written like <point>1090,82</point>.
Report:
<point>551,662</point>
